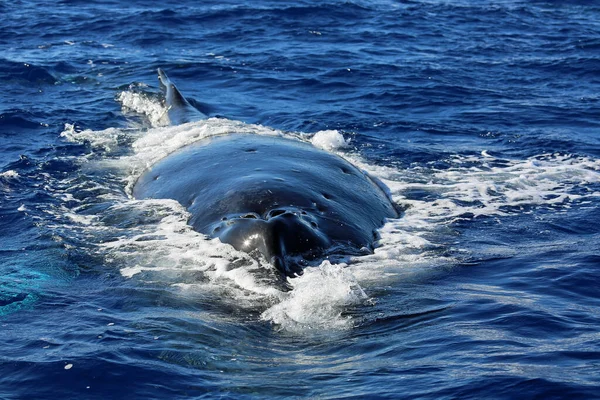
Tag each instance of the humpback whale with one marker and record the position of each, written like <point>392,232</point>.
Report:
<point>269,196</point>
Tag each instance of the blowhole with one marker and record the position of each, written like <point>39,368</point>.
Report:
<point>275,213</point>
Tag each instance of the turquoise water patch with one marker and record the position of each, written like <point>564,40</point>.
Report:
<point>26,276</point>
<point>20,290</point>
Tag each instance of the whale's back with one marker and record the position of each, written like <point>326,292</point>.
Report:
<point>241,174</point>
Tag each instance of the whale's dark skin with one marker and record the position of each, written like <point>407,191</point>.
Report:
<point>280,198</point>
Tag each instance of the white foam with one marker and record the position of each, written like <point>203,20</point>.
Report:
<point>488,186</point>
<point>10,174</point>
<point>5,178</point>
<point>329,140</point>
<point>81,219</point>
<point>106,140</point>
<point>149,240</point>
<point>318,300</point>
<point>140,103</point>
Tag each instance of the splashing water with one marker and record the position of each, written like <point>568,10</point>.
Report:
<point>149,240</point>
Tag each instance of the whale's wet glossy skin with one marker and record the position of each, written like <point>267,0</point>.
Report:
<point>280,198</point>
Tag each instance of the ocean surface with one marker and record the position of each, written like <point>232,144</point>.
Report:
<point>482,117</point>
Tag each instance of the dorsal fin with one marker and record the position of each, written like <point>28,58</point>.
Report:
<point>179,109</point>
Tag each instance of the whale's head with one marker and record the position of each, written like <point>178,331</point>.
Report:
<point>284,236</point>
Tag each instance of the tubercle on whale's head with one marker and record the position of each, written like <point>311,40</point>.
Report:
<point>283,237</point>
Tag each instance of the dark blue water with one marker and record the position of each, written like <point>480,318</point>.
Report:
<point>482,118</point>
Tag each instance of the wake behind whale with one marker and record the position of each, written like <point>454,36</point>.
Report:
<point>271,197</point>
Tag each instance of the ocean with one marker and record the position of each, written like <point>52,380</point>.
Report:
<point>481,117</point>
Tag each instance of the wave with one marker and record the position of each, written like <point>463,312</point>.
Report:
<point>27,72</point>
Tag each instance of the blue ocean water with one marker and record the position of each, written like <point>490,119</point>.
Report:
<point>482,117</point>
